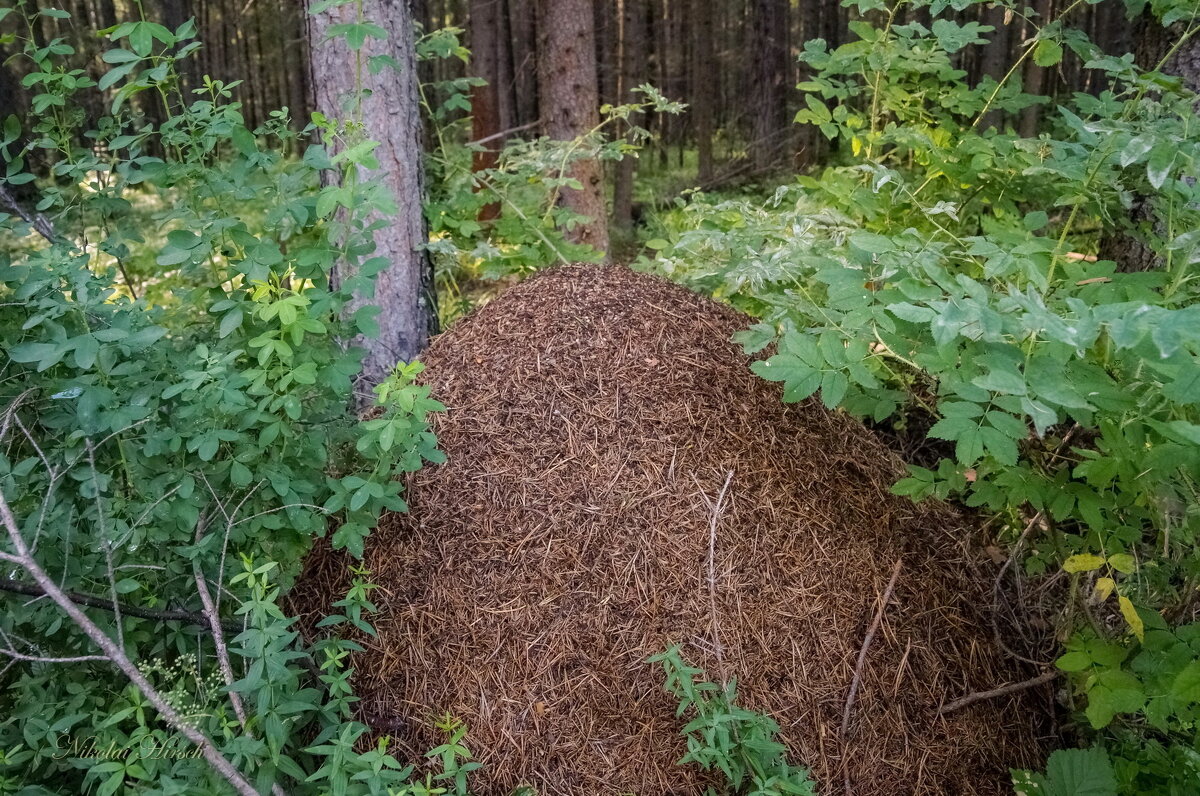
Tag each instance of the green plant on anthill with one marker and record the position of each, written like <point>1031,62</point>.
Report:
<point>722,736</point>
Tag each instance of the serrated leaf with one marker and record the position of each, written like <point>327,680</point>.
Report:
<point>1123,562</point>
<point>1047,52</point>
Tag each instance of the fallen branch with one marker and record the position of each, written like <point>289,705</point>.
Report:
<point>1013,688</point>
<point>92,601</point>
<point>866,645</point>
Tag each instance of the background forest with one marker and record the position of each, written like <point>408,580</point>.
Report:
<point>973,225</point>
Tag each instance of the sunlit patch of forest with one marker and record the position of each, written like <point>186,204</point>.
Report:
<point>572,397</point>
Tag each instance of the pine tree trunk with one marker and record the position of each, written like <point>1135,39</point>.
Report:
<point>768,40</point>
<point>1035,76</point>
<point>523,15</point>
<point>567,94</point>
<point>404,290</point>
<point>633,18</point>
<point>485,99</point>
<point>996,55</point>
<point>704,68</point>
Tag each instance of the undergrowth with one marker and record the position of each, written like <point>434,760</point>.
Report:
<point>948,266</point>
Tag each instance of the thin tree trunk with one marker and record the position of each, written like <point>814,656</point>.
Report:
<point>704,68</point>
<point>632,40</point>
<point>485,99</point>
<point>404,290</point>
<point>525,59</point>
<point>505,81</point>
<point>567,92</point>
<point>1035,76</point>
<point>996,55</point>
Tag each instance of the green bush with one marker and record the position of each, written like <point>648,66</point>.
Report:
<point>938,272</point>
<point>177,427</point>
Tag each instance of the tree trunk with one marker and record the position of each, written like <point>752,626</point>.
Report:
<point>996,55</point>
<point>524,47</point>
<point>704,67</point>
<point>633,18</point>
<point>505,78</point>
<point>1035,76</point>
<point>768,40</point>
<point>391,115</point>
<point>485,99</point>
<point>567,92</point>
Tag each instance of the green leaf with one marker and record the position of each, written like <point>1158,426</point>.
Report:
<point>1036,220</point>
<point>1047,52</point>
<point>1074,662</point>
<point>1080,772</point>
<point>229,322</point>
<point>1083,562</point>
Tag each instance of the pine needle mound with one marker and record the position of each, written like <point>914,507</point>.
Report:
<point>594,416</point>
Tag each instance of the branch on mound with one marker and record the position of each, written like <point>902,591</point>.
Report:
<point>1012,688</point>
<point>862,653</point>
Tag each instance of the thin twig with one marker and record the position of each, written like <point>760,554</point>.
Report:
<point>18,656</point>
<point>996,591</point>
<point>866,645</point>
<point>214,625</point>
<point>504,133</point>
<point>714,519</point>
<point>1012,688</point>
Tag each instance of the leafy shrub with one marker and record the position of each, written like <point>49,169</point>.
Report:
<point>177,429</point>
<point>943,271</point>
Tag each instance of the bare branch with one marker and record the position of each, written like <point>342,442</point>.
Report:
<point>862,653</point>
<point>11,653</point>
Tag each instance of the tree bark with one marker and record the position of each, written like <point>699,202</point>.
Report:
<point>704,67</point>
<point>997,55</point>
<point>768,40</point>
<point>633,18</point>
<point>391,115</point>
<point>567,93</point>
<point>485,99</point>
<point>1035,76</point>
<point>523,17</point>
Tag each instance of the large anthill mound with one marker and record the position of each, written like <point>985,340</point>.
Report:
<point>594,416</point>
